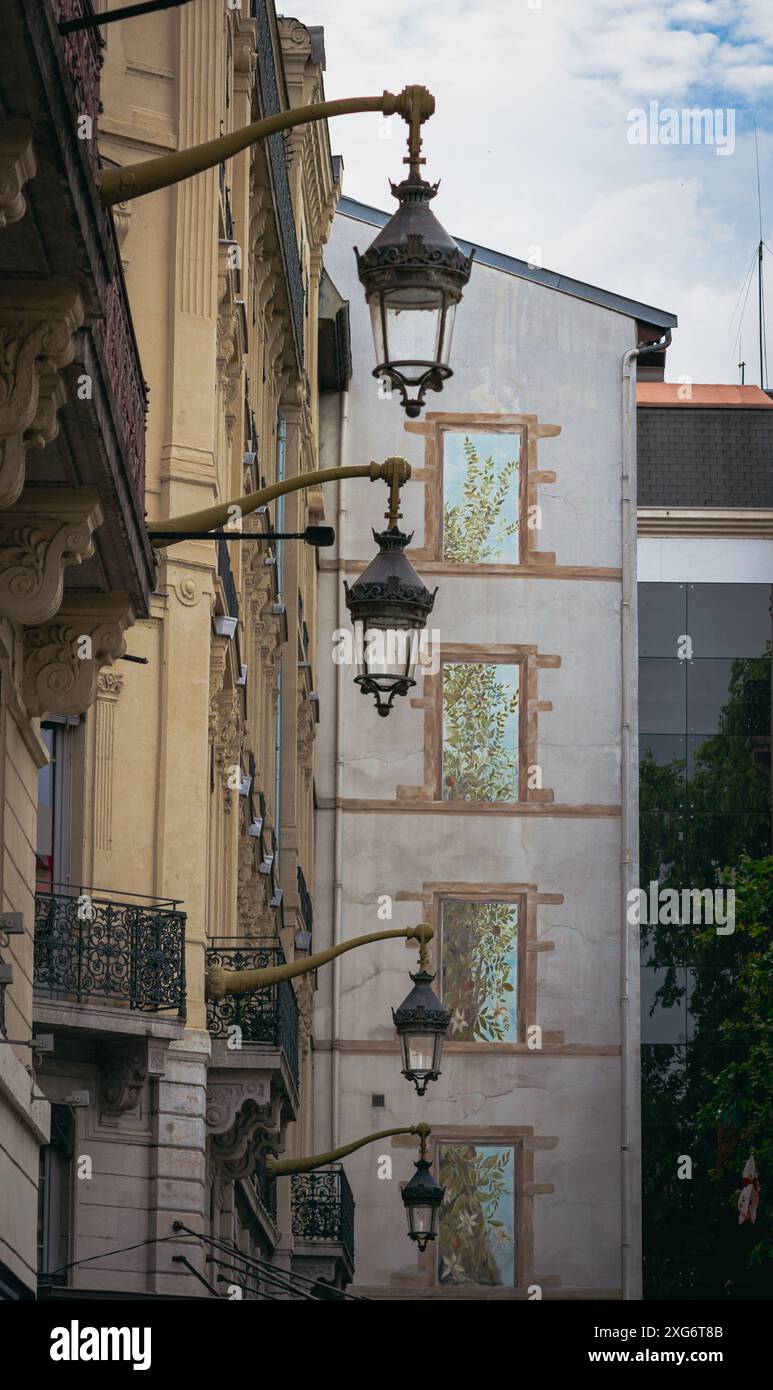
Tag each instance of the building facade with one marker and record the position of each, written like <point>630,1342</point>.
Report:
<point>497,801</point>
<point>158,808</point>
<point>705,567</point>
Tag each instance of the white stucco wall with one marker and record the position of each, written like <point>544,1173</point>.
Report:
<point>519,348</point>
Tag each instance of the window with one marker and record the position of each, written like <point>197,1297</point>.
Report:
<point>481,497</point>
<point>477,1219</point>
<point>480,731</point>
<point>54,1197</point>
<point>479,969</point>
<point>55,782</point>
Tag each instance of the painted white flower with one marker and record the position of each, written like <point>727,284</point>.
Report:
<point>468,1221</point>
<point>454,1266</point>
<point>501,1236</point>
<point>458,1021</point>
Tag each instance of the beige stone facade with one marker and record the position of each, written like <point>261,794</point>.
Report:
<point>164,802</point>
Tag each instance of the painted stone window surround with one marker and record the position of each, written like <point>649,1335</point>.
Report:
<point>525,1144</point>
<point>529,662</point>
<point>528,899</point>
<point>435,427</point>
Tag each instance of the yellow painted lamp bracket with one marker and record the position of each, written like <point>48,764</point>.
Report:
<point>282,1167</point>
<point>220,982</point>
<point>394,471</point>
<point>414,104</point>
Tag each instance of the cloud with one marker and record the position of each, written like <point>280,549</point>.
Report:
<point>530,139</point>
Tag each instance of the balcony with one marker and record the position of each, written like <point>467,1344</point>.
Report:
<point>66,241</point>
<point>93,950</point>
<point>267,1016</point>
<point>323,1225</point>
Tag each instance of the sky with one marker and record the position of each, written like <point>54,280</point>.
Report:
<point>540,154</point>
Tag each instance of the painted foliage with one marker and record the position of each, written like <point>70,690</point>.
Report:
<point>480,498</point>
<point>480,731</point>
<point>477,1219</point>
<point>479,970</point>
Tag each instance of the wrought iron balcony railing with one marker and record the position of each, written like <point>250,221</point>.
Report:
<point>115,332</point>
<point>89,946</point>
<point>277,162</point>
<point>323,1208</point>
<point>264,1015</point>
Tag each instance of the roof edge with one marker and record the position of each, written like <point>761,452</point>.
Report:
<point>511,265</point>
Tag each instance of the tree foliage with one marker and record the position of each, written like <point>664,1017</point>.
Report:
<point>480,763</point>
<point>478,955</point>
<point>474,529</point>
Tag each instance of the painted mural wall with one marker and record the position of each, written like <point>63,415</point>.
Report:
<point>489,803</point>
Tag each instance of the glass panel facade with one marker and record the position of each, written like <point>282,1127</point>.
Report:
<point>477,1219</point>
<point>705,838</point>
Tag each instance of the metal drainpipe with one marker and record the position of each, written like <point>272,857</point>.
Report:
<point>338,888</point>
<point>629,795</point>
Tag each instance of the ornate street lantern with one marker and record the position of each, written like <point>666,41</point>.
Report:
<point>389,605</point>
<point>413,275</point>
<point>423,1198</point>
<point>422,1024</point>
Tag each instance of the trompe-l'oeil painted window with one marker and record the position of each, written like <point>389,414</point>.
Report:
<point>480,731</point>
<point>480,497</point>
<point>479,970</point>
<point>477,1219</point>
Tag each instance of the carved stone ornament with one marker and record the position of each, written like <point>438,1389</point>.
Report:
<point>62,658</point>
<point>40,535</point>
<point>37,322</point>
<point>243,1120</point>
<point>125,1067</point>
<point>17,166</point>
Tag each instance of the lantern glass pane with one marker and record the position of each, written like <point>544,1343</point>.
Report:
<point>412,333</point>
<point>420,1049</point>
<point>421,1219</point>
<point>386,650</point>
<point>445,333</point>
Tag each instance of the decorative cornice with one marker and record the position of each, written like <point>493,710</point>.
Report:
<point>42,533</point>
<point>705,521</point>
<point>17,166</point>
<point>62,658</point>
<point>37,321</point>
<point>124,1069</point>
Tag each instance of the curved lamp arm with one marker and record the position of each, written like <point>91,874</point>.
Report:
<point>281,1167</point>
<point>414,104</point>
<point>220,982</point>
<point>394,471</point>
